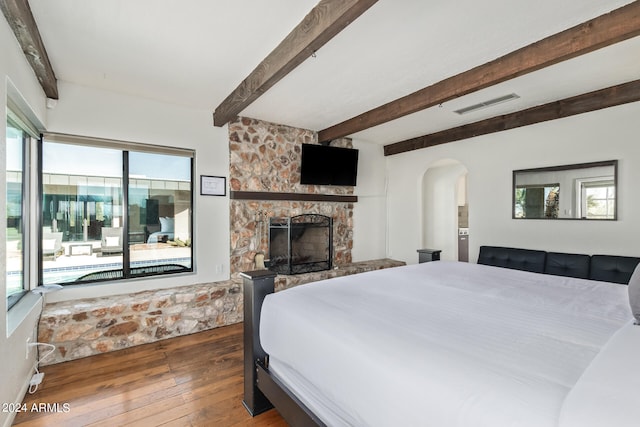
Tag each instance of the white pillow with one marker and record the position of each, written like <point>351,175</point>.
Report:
<point>634,294</point>
<point>48,244</point>
<point>166,224</point>
<point>112,241</point>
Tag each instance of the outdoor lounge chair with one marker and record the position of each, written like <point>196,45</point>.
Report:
<point>52,245</point>
<point>111,242</point>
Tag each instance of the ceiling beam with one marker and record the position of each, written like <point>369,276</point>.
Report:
<point>605,30</point>
<point>325,20</point>
<point>592,101</point>
<point>20,19</point>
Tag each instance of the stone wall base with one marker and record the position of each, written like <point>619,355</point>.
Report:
<point>86,327</point>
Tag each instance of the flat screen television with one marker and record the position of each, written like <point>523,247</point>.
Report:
<point>325,165</point>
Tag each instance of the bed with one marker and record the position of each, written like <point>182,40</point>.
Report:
<point>443,344</point>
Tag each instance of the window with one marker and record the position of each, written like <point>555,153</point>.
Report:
<point>18,139</point>
<point>159,210</point>
<point>597,198</point>
<point>113,210</point>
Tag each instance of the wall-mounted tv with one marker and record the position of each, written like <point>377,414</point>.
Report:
<point>325,165</point>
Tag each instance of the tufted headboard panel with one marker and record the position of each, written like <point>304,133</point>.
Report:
<point>616,269</point>
<point>606,268</point>
<point>571,265</point>
<point>517,259</point>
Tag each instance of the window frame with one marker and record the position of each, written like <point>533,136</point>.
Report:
<point>125,147</point>
<point>15,117</point>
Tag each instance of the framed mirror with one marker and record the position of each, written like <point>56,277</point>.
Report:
<point>586,191</point>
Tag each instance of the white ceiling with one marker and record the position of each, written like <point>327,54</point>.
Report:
<point>195,52</point>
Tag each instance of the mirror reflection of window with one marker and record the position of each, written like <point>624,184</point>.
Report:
<point>552,202</point>
<point>537,201</point>
<point>597,198</point>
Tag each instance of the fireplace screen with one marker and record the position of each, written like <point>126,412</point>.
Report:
<point>300,244</point>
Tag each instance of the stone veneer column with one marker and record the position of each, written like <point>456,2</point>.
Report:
<point>266,157</point>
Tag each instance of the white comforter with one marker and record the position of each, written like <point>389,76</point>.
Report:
<point>441,344</point>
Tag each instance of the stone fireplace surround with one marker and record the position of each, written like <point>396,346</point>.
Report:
<point>265,158</point>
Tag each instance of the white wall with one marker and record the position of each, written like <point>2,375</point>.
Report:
<point>490,159</point>
<point>440,197</point>
<point>369,214</point>
<point>15,369</point>
<point>95,113</point>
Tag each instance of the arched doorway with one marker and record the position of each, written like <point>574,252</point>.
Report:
<point>445,209</point>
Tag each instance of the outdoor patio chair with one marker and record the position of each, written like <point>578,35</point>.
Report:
<point>111,242</point>
<point>52,245</point>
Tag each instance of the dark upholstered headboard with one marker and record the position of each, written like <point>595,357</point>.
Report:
<point>518,259</point>
<point>571,265</point>
<point>606,268</point>
<point>617,269</point>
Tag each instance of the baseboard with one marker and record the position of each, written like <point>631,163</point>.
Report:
<point>19,398</point>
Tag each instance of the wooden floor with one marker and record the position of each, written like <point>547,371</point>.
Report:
<point>195,380</point>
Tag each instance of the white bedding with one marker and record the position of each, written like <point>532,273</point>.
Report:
<point>442,344</point>
<point>607,393</point>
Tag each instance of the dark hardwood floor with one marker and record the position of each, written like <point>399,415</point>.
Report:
<point>195,380</point>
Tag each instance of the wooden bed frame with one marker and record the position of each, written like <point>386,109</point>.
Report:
<point>263,391</point>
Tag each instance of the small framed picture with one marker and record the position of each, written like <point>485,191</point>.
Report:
<point>213,185</point>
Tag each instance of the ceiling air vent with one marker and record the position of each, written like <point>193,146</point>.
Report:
<point>486,104</point>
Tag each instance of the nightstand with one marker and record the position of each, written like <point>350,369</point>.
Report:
<point>426,255</point>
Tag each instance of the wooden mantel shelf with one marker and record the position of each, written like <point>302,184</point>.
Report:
<point>304,197</point>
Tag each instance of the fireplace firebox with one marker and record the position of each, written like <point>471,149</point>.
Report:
<point>300,244</point>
